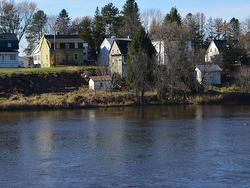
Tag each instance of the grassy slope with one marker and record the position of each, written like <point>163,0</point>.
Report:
<point>43,70</point>
<point>78,98</point>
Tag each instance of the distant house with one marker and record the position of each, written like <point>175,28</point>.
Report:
<point>118,56</point>
<point>25,61</point>
<point>103,58</point>
<point>60,50</point>
<point>100,82</point>
<point>9,47</point>
<point>214,51</point>
<point>208,74</point>
<point>162,50</point>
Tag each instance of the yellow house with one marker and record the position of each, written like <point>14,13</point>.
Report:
<point>118,56</point>
<point>60,50</point>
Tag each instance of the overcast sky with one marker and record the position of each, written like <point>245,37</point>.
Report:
<point>214,8</point>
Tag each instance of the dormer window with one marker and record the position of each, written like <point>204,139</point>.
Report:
<point>9,45</point>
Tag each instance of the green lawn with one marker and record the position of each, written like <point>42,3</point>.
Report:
<point>44,70</point>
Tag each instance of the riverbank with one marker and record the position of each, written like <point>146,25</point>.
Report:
<point>34,81</point>
<point>84,98</point>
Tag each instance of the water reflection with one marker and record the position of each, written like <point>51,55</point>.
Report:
<point>158,146</point>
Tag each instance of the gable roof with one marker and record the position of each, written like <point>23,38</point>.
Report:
<point>220,44</point>
<point>38,47</point>
<point>101,78</point>
<point>110,40</point>
<point>208,68</point>
<point>122,45</point>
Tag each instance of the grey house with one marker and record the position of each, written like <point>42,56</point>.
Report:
<point>9,47</point>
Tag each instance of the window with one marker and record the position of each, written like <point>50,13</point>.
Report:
<point>76,45</point>
<point>80,45</point>
<point>62,45</point>
<point>9,45</point>
<point>12,57</point>
<point>76,56</point>
<point>58,45</point>
<point>101,85</point>
<point>67,46</point>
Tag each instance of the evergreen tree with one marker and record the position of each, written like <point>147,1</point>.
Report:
<point>232,53</point>
<point>111,18</point>
<point>196,29</point>
<point>98,30</point>
<point>86,34</point>
<point>139,70</point>
<point>63,23</point>
<point>35,30</point>
<point>131,18</point>
<point>173,16</point>
<point>234,28</point>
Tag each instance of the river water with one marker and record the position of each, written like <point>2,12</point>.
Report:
<point>158,146</point>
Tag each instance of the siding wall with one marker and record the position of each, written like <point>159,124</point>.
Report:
<point>99,85</point>
<point>208,78</point>
<point>117,61</point>
<point>212,51</point>
<point>7,62</point>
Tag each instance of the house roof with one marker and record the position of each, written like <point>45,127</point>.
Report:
<point>110,40</point>
<point>208,68</point>
<point>220,44</point>
<point>101,78</point>
<point>7,38</point>
<point>123,45</point>
<point>64,38</point>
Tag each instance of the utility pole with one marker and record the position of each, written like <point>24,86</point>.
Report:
<point>55,48</point>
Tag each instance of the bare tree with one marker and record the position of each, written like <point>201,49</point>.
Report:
<point>151,16</point>
<point>140,74</point>
<point>16,17</point>
<point>176,77</point>
<point>51,25</point>
<point>243,79</point>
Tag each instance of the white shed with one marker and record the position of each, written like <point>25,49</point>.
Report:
<point>100,82</point>
<point>208,74</point>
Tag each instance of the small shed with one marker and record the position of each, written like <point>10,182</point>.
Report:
<point>208,74</point>
<point>100,82</point>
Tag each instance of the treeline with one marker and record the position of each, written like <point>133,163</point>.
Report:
<point>26,20</point>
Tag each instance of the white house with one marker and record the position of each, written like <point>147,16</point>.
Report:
<point>37,55</point>
<point>208,74</point>
<point>163,49</point>
<point>214,50</point>
<point>103,58</point>
<point>100,82</point>
<point>9,46</point>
